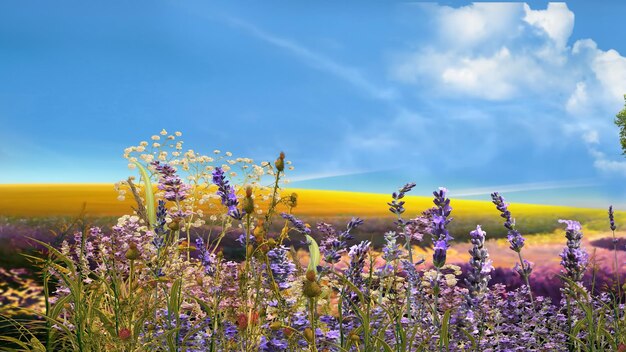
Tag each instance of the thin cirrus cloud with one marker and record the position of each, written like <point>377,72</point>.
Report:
<point>316,60</point>
<point>524,187</point>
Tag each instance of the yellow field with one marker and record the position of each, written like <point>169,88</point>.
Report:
<point>101,200</point>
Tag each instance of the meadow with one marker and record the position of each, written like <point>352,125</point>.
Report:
<point>213,253</point>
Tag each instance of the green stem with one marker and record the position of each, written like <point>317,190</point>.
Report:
<point>530,292</point>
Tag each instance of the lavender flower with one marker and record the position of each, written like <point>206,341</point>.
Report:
<point>357,255</point>
<point>440,216</point>
<point>397,206</point>
<point>297,223</point>
<point>416,228</point>
<point>612,219</point>
<point>516,240</point>
<point>227,194</point>
<point>573,258</point>
<point>281,266</point>
<point>480,265</point>
<point>334,245</point>
<point>208,260</point>
<point>159,228</point>
<point>391,252</point>
<point>175,189</point>
<point>439,256</point>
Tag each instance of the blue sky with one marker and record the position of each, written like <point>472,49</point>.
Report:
<point>516,97</point>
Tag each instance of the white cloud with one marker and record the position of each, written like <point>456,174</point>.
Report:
<point>610,70</point>
<point>557,21</point>
<point>476,23</point>
<point>577,102</point>
<point>512,53</point>
<point>603,164</point>
<point>471,75</point>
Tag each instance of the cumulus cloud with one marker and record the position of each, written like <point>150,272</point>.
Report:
<point>508,53</point>
<point>557,21</point>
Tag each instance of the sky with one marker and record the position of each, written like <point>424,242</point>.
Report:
<point>362,96</point>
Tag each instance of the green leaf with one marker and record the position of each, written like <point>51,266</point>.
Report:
<point>314,252</point>
<point>150,209</point>
<point>445,331</point>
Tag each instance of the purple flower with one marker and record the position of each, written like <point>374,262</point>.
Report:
<point>440,233</point>
<point>480,265</point>
<point>227,194</point>
<point>416,228</point>
<point>516,240</point>
<point>357,255</point>
<point>440,216</point>
<point>439,256</point>
<point>175,189</point>
<point>526,270</point>
<point>397,206</point>
<point>297,223</point>
<point>281,266</point>
<point>573,258</point>
<point>159,228</point>
<point>612,219</point>
<point>334,245</point>
<point>208,260</point>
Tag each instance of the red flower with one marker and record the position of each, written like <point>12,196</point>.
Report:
<point>124,334</point>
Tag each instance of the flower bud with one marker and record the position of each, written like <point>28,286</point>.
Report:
<point>293,200</point>
<point>311,276</point>
<point>132,253</point>
<point>288,331</point>
<point>280,162</point>
<point>271,242</point>
<point>311,289</point>
<point>124,334</point>
<point>308,334</point>
<point>275,325</point>
<point>249,192</point>
<point>247,205</point>
<point>354,337</point>
<point>174,225</point>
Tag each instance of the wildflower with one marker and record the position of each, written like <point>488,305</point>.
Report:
<point>124,334</point>
<point>440,216</point>
<point>439,255</point>
<point>416,228</point>
<point>612,219</point>
<point>573,258</point>
<point>280,162</point>
<point>248,202</point>
<point>397,206</point>
<point>297,223</point>
<point>480,265</point>
<point>440,234</point>
<point>226,193</point>
<point>281,266</point>
<point>516,240</point>
<point>357,255</point>
<point>207,259</point>
<point>132,253</point>
<point>175,189</point>
<point>159,228</point>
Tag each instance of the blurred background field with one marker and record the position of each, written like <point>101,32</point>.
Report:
<point>50,213</point>
<point>35,210</point>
